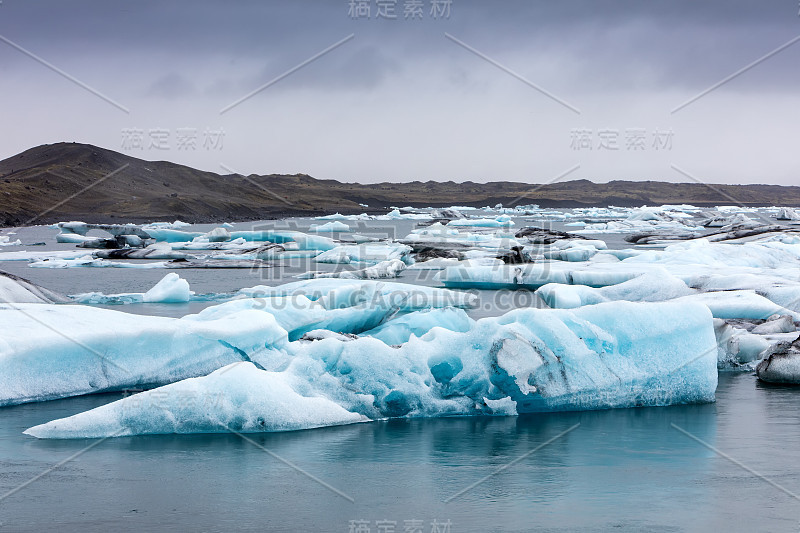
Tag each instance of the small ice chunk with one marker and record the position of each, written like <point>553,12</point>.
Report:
<point>171,289</point>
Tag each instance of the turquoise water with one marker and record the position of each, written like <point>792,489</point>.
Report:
<point>620,470</point>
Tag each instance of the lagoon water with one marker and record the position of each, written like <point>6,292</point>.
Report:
<point>732,465</point>
<point>619,470</point>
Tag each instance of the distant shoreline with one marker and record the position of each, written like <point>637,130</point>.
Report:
<point>73,181</point>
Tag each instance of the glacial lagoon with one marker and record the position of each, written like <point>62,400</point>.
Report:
<point>727,463</point>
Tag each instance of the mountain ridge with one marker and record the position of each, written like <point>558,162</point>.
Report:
<point>66,181</point>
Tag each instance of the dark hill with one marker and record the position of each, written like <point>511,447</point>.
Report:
<point>71,181</point>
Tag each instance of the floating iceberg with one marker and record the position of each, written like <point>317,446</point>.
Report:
<point>171,225</point>
<point>263,401</point>
<point>503,221</point>
<point>654,286</point>
<point>345,293</point>
<point>366,253</point>
<point>5,240</point>
<point>704,252</point>
<point>529,360</point>
<point>171,289</point>
<point>741,304</point>
<point>382,270</point>
<point>41,255</point>
<point>49,352</point>
<point>395,214</point>
<point>303,241</point>
<point>218,235</point>
<point>530,276</point>
<point>14,289</point>
<point>787,213</point>
<point>330,226</point>
<point>737,348</point>
<point>158,250</point>
<point>437,236</point>
<point>92,262</point>
<point>781,364</point>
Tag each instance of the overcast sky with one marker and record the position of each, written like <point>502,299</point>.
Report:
<point>399,100</point>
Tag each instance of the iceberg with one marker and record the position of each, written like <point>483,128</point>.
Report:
<point>5,240</point>
<point>158,250</point>
<point>42,255</point>
<point>503,221</point>
<point>92,262</point>
<point>573,251</point>
<point>330,226</point>
<point>302,241</point>
<point>382,270</point>
<point>171,289</point>
<point>218,235</point>
<point>781,363</point>
<point>366,253</point>
<point>346,293</point>
<point>171,225</point>
<point>787,213</point>
<point>263,401</point>
<point>437,236</point>
<point>72,231</point>
<point>502,277</point>
<point>660,286</point>
<point>395,214</point>
<point>654,286</point>
<point>742,304</point>
<point>73,238</point>
<point>528,360</point>
<point>723,255</point>
<point>50,352</point>
<point>14,289</point>
<point>171,235</point>
<point>737,348</point>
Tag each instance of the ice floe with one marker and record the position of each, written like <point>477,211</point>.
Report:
<point>14,289</point>
<point>366,253</point>
<point>330,226</point>
<point>529,360</point>
<point>383,270</point>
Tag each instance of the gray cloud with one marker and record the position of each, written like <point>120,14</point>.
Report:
<point>171,86</point>
<point>401,87</point>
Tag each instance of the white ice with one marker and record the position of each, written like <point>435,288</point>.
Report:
<point>330,226</point>
<point>383,270</point>
<point>366,253</point>
<point>263,401</point>
<point>604,356</point>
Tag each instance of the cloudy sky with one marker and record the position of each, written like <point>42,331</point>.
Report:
<point>528,90</point>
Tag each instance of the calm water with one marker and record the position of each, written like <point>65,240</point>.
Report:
<point>620,470</point>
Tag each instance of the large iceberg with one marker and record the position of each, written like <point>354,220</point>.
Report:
<point>528,360</point>
<point>263,401</point>
<point>365,253</point>
<point>49,352</point>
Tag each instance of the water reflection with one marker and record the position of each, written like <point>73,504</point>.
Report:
<point>609,467</point>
